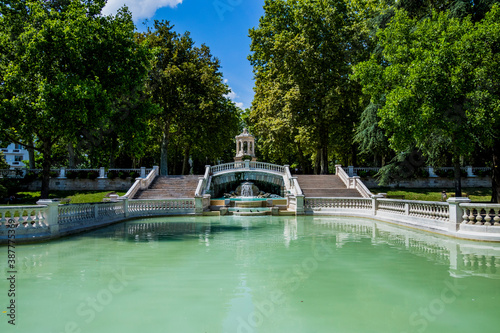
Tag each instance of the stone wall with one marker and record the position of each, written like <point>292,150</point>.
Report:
<point>104,184</point>
<point>433,182</point>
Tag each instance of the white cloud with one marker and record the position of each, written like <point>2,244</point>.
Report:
<point>140,9</point>
<point>231,95</point>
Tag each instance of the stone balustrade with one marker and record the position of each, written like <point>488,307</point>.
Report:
<point>354,204</point>
<point>247,165</point>
<point>481,214</point>
<point>23,217</point>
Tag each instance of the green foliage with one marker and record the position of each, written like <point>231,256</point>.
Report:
<point>187,85</point>
<point>64,56</point>
<point>431,76</point>
<point>3,191</point>
<point>305,104</point>
<point>3,163</point>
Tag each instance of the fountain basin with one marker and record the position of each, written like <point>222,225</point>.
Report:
<point>249,211</point>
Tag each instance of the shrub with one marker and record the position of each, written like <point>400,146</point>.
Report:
<point>362,173</point>
<point>246,157</point>
<point>423,173</point>
<point>82,174</point>
<point>54,174</point>
<point>71,174</point>
<point>92,175</point>
<point>123,175</point>
<point>112,174</point>
<point>30,176</point>
<point>483,173</point>
<point>3,191</point>
<point>133,174</point>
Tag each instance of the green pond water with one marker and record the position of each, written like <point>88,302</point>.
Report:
<point>258,274</point>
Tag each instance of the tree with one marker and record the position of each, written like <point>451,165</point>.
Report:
<point>186,83</point>
<point>63,68</point>
<point>3,162</point>
<point>427,75</point>
<point>305,103</point>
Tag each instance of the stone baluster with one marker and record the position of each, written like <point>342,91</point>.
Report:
<point>496,219</point>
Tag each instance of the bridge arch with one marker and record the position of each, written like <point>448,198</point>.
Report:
<point>272,178</point>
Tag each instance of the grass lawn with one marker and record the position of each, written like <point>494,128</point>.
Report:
<point>30,198</point>
<point>434,194</point>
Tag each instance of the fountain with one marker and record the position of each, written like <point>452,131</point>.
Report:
<point>246,189</point>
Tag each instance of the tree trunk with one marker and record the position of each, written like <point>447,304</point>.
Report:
<point>112,154</point>
<point>495,172</point>
<point>71,156</point>
<point>163,151</point>
<point>324,160</point>
<point>317,162</point>
<point>185,162</point>
<point>31,154</point>
<point>458,177</point>
<point>46,164</point>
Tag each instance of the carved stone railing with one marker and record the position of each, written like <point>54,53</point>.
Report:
<point>142,183</point>
<point>247,166</point>
<point>392,206</point>
<point>23,217</point>
<point>353,204</point>
<point>352,182</point>
<point>152,207</point>
<point>203,183</point>
<point>481,214</point>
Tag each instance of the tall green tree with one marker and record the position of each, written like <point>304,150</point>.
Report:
<point>187,84</point>
<point>427,75</point>
<point>63,66</point>
<point>305,101</point>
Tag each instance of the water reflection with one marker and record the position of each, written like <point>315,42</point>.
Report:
<point>248,236</point>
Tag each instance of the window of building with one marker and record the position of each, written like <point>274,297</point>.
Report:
<point>18,158</point>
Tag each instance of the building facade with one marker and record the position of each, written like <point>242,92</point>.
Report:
<point>15,154</point>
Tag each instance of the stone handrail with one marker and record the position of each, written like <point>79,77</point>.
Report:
<point>247,165</point>
<point>142,183</point>
<point>80,215</point>
<point>203,182</point>
<point>317,204</point>
<point>481,214</point>
<point>432,210</point>
<point>352,182</point>
<point>153,207</point>
<point>62,172</point>
<point>339,171</point>
<point>23,217</point>
<point>291,183</point>
<point>362,189</point>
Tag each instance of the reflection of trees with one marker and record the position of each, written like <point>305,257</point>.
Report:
<point>465,258</point>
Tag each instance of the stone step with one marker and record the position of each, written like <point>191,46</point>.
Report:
<point>320,181</point>
<point>325,186</point>
<point>171,187</point>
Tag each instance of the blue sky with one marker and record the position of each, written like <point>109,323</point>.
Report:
<point>221,24</point>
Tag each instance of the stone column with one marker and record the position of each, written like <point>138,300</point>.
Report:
<point>143,172</point>
<point>62,174</point>
<point>102,172</point>
<point>456,212</point>
<point>299,209</point>
<point>351,170</point>
<point>375,203</point>
<point>431,173</point>
<point>52,215</point>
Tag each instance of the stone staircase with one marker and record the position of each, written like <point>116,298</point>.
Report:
<point>325,186</point>
<point>170,187</point>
